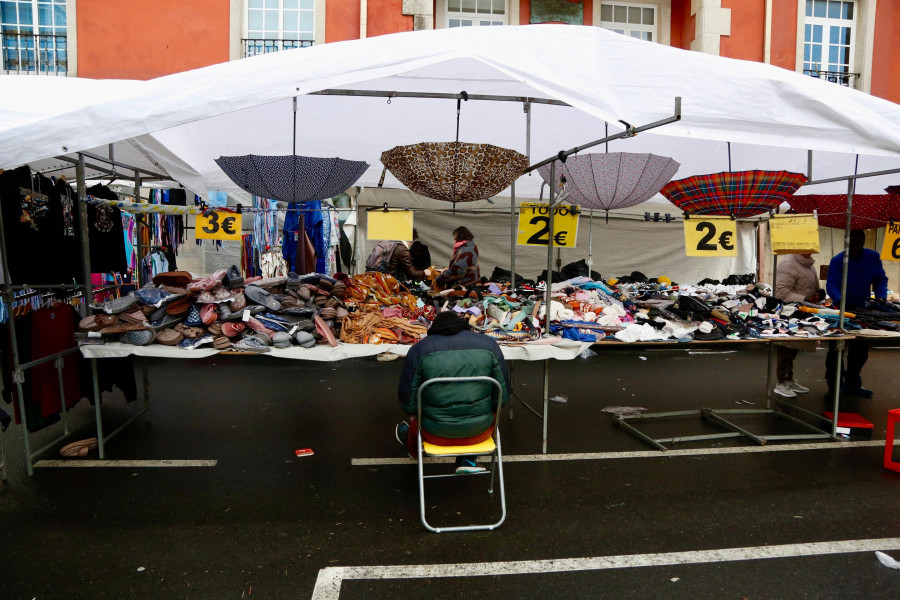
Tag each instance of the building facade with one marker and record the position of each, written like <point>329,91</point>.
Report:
<point>848,42</point>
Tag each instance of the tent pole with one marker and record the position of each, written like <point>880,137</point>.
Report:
<point>140,246</point>
<point>512,237</point>
<point>548,282</point>
<point>851,186</point>
<point>81,190</point>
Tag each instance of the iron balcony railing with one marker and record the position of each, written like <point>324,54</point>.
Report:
<point>252,47</point>
<point>34,54</point>
<point>840,77</point>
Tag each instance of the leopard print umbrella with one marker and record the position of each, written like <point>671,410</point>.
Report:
<point>455,171</point>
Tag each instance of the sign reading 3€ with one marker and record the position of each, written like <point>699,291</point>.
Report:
<point>218,225</point>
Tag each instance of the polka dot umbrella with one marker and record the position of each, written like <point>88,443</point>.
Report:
<point>868,211</point>
<point>738,194</point>
<point>612,180</point>
<point>292,178</point>
<point>455,171</point>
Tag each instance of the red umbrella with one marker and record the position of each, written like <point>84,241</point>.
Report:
<point>869,211</point>
<point>738,194</point>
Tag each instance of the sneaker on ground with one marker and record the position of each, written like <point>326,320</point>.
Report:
<point>468,466</point>
<point>782,389</point>
<point>796,387</point>
<point>401,431</point>
<point>858,391</point>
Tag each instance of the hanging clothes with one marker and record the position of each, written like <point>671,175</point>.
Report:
<point>272,264</point>
<point>106,233</point>
<point>33,222</point>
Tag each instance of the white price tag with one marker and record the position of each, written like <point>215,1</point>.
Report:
<point>246,316</point>
<point>94,334</point>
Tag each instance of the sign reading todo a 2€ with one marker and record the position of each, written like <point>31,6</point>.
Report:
<point>218,226</point>
<point>534,225</point>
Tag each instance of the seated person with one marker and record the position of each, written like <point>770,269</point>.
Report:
<point>463,269</point>
<point>461,414</point>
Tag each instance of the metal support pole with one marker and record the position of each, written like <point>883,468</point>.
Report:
<point>512,240</point>
<point>142,250</point>
<point>101,447</point>
<point>85,235</point>
<point>546,403</point>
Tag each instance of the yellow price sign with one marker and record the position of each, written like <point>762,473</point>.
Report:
<point>891,248</point>
<point>391,225</point>
<point>534,225</point>
<point>794,234</point>
<point>710,236</point>
<point>218,226</point>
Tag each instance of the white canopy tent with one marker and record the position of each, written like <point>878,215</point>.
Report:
<point>581,80</point>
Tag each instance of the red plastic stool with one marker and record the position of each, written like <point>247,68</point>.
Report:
<point>893,417</point>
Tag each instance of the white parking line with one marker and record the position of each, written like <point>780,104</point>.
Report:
<point>125,463</point>
<point>507,458</point>
<point>328,583</point>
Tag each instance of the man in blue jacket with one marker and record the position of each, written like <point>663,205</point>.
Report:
<point>457,414</point>
<point>864,272</point>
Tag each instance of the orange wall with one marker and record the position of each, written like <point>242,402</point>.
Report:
<point>683,24</point>
<point>386,16</point>
<point>524,11</point>
<point>341,20</point>
<point>131,40</point>
<point>748,23</point>
<point>784,34</point>
<point>885,68</point>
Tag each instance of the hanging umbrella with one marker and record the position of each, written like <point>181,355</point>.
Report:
<point>613,180</point>
<point>292,178</point>
<point>869,211</point>
<point>738,194</point>
<point>455,171</point>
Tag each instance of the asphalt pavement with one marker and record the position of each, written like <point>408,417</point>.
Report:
<point>208,500</point>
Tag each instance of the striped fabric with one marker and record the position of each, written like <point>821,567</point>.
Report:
<point>738,194</point>
<point>869,211</point>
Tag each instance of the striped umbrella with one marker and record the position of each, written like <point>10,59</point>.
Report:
<point>868,211</point>
<point>738,194</point>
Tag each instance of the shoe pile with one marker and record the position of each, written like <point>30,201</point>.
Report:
<point>225,310</point>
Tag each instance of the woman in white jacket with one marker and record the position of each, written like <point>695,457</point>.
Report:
<point>795,281</point>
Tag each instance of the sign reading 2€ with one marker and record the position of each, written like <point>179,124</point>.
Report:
<point>710,236</point>
<point>218,226</point>
<point>534,225</point>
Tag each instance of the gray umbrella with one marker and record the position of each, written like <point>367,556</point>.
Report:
<point>292,178</point>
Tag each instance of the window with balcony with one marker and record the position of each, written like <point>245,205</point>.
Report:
<point>467,13</point>
<point>273,25</point>
<point>33,36</point>
<point>634,20</point>
<point>828,40</point>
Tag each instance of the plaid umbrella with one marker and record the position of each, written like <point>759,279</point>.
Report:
<point>455,171</point>
<point>869,211</point>
<point>292,178</point>
<point>613,180</point>
<point>739,194</point>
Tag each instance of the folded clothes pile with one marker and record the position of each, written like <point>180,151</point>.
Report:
<point>225,311</point>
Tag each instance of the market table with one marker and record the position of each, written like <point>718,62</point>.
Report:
<point>556,348</point>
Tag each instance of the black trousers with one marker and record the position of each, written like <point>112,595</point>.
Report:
<point>855,356</point>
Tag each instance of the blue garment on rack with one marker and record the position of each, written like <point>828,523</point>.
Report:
<point>290,239</point>
<point>315,231</point>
